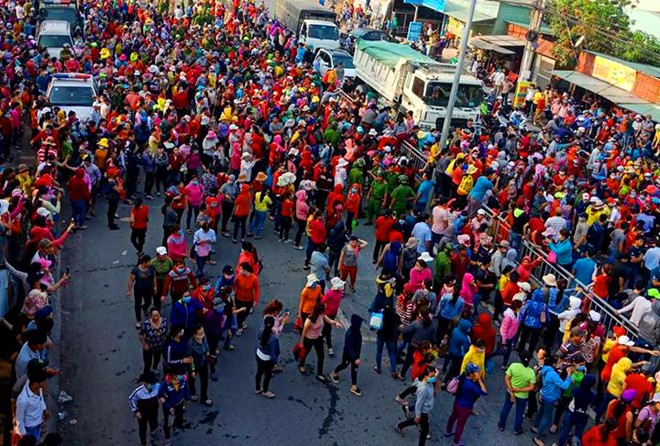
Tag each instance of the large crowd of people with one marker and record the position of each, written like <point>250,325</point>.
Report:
<point>218,112</point>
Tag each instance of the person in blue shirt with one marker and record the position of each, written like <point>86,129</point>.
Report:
<point>423,192</point>
<point>584,268</point>
<point>172,394</point>
<point>483,184</point>
<point>459,343</point>
<point>551,391</point>
<point>470,388</point>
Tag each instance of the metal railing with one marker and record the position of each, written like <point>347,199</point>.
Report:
<point>500,230</point>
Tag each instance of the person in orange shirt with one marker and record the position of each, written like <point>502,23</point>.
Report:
<point>246,295</point>
<point>309,296</point>
<point>139,219</point>
<point>241,212</point>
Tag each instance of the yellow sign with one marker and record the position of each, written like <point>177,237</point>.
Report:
<point>614,73</point>
<point>521,92</point>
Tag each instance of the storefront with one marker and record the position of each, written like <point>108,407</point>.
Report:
<point>502,51</point>
<point>631,86</point>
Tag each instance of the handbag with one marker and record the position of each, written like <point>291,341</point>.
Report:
<point>376,321</point>
<point>299,351</point>
<point>297,326</point>
<point>452,387</point>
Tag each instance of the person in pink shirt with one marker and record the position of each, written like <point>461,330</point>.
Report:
<point>177,247</point>
<point>195,195</point>
<point>468,289</point>
<point>418,274</point>
<point>508,330</point>
<point>331,300</point>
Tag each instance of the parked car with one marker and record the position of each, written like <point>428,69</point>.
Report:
<point>328,59</point>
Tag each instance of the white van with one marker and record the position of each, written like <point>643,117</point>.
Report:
<point>73,92</point>
<point>53,35</point>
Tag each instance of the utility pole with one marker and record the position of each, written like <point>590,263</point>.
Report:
<point>457,75</point>
<point>535,20</point>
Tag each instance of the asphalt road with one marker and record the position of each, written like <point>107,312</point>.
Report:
<point>101,361</point>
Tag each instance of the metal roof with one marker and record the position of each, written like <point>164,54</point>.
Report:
<point>616,95</point>
<point>644,68</point>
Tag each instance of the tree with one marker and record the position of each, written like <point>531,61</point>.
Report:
<point>644,48</point>
<point>596,20</point>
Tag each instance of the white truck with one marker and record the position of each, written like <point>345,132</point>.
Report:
<point>408,79</point>
<point>312,24</point>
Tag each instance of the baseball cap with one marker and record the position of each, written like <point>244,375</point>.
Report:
<point>653,292</point>
<point>655,399</point>
<point>161,251</point>
<point>471,368</point>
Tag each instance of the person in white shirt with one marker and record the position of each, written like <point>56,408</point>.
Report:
<point>640,305</point>
<point>31,409</point>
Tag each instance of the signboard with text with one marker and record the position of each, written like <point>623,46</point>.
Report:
<point>521,92</point>
<point>414,31</point>
<point>614,73</point>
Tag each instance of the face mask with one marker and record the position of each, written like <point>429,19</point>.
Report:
<point>313,286</point>
<point>432,379</point>
<point>207,287</point>
<point>181,270</point>
<point>582,369</point>
<point>186,299</point>
<point>354,191</point>
<point>195,183</point>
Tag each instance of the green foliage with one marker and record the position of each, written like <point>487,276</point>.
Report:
<point>642,44</point>
<point>596,20</point>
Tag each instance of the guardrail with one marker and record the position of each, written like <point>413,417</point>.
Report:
<point>500,230</point>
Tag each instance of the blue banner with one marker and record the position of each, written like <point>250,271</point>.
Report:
<point>436,5</point>
<point>414,31</point>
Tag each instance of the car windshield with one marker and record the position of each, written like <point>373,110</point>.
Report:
<point>437,95</point>
<point>323,32</point>
<point>53,40</point>
<point>67,14</point>
<point>345,60</point>
<point>66,95</point>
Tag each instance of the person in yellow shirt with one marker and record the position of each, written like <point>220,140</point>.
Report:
<point>262,202</point>
<point>476,355</point>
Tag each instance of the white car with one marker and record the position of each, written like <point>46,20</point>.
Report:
<point>54,35</point>
<point>328,59</point>
<point>73,92</point>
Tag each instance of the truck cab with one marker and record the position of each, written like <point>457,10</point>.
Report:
<point>426,93</point>
<point>319,34</point>
<point>66,10</point>
<point>54,35</point>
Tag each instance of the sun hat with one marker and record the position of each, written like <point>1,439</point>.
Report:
<point>337,284</point>
<point>594,316</point>
<point>425,257</point>
<point>161,251</point>
<point>625,340</point>
<point>311,279</point>
<point>550,280</point>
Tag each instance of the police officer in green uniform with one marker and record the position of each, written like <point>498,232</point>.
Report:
<point>376,197</point>
<point>402,196</point>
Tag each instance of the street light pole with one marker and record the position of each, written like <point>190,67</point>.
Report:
<point>457,75</point>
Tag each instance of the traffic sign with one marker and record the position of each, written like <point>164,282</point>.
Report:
<point>414,31</point>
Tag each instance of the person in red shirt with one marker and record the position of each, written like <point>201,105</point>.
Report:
<point>639,382</point>
<point>138,221</point>
<point>317,235</point>
<point>286,217</point>
<point>382,228</point>
<point>352,206</point>
<point>80,196</point>
<point>601,435</point>
<point>241,212</point>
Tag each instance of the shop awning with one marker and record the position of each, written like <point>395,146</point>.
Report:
<point>616,95</point>
<point>480,43</point>
<point>460,12</point>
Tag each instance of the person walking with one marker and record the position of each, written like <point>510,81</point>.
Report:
<point>138,221</point>
<point>162,265</point>
<point>386,336</point>
<point>519,380</point>
<point>332,300</point>
<point>351,354</point>
<point>142,284</point>
<point>172,394</point>
<point>153,334</point>
<point>470,388</point>
<point>247,292</point>
<point>262,203</point>
<point>311,337</point>
<point>266,355</point>
<point>144,405</point>
<point>348,261</point>
<point>203,242</point>
<point>198,349</point>
<point>423,406</point>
